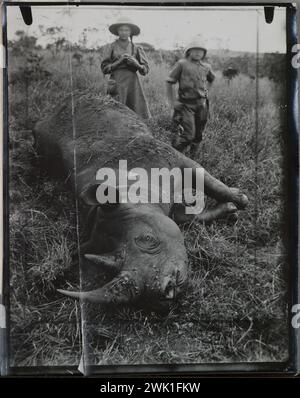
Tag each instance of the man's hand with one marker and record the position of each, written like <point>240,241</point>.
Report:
<point>117,62</point>
<point>131,61</point>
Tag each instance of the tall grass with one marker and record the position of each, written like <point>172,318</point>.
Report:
<point>234,309</point>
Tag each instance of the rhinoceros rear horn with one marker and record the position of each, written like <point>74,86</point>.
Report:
<point>120,290</point>
<point>107,262</point>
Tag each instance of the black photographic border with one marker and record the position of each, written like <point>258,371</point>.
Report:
<point>287,368</point>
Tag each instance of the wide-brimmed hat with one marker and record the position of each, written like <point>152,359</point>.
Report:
<point>135,30</point>
<point>196,43</point>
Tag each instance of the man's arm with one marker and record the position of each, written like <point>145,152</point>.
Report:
<point>107,66</point>
<point>171,80</point>
<point>210,76</point>
<point>170,93</point>
<point>143,62</point>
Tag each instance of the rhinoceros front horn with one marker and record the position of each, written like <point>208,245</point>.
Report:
<point>120,290</point>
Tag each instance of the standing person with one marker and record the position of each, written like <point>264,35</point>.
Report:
<point>191,107</point>
<point>122,61</point>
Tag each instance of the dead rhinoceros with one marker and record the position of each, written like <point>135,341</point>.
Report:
<point>139,245</point>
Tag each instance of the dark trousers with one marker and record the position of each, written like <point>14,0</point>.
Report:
<point>190,119</point>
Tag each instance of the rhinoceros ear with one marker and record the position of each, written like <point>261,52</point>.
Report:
<point>88,195</point>
<point>110,196</point>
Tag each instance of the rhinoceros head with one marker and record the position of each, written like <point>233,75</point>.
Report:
<point>147,255</point>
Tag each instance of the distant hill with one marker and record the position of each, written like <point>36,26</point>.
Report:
<point>271,65</point>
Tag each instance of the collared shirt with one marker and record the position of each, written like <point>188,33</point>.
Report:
<point>192,78</point>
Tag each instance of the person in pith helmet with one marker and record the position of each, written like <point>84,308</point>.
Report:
<point>122,60</point>
<point>191,107</point>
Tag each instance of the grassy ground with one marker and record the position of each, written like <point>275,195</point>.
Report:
<point>235,306</point>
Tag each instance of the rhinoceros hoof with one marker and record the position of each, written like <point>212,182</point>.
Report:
<point>241,200</point>
<point>232,218</point>
<point>230,207</point>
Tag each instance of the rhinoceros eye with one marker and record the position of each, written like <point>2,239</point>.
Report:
<point>147,243</point>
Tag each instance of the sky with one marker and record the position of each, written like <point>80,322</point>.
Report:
<point>231,28</point>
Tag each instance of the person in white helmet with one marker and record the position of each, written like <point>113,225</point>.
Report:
<point>122,60</point>
<point>191,108</point>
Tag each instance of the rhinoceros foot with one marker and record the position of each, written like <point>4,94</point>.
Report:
<point>240,200</point>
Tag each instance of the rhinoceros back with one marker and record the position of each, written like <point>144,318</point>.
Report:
<point>89,126</point>
<point>89,132</point>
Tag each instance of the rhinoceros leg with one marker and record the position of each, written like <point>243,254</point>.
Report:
<point>207,215</point>
<point>217,189</point>
<point>222,193</point>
